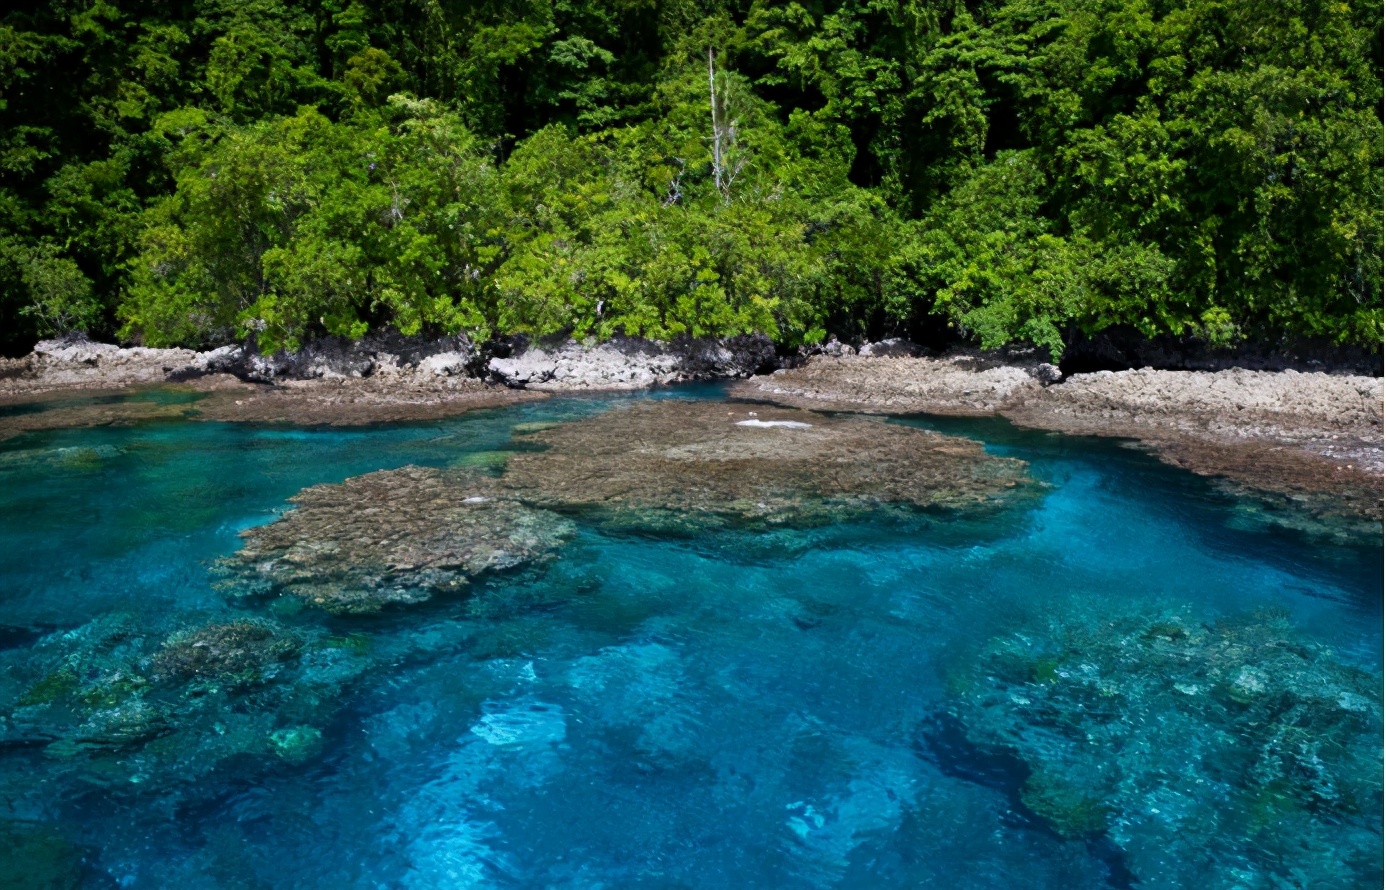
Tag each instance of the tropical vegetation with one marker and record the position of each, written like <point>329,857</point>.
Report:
<point>993,171</point>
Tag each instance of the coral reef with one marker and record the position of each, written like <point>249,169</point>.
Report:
<point>706,459</point>
<point>390,395</point>
<point>243,652</point>
<point>295,744</point>
<point>119,702</point>
<point>1230,755</point>
<point>396,536</point>
<point>1310,438</point>
<point>79,408</point>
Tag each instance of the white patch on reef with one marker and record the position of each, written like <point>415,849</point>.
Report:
<point>784,424</point>
<point>521,724</point>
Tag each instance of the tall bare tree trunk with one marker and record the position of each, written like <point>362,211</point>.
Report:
<point>725,167</point>
<point>716,129</point>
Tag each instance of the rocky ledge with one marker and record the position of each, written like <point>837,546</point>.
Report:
<point>628,363</point>
<point>377,380</point>
<point>1299,439</point>
<point>75,363</point>
<point>1311,438</point>
<point>382,378</point>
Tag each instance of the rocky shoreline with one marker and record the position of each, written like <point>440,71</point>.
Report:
<point>1311,438</point>
<point>383,378</point>
<point>1306,438</point>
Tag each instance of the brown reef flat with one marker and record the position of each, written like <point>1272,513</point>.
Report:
<point>351,401</point>
<point>329,401</point>
<point>1307,439</point>
<point>772,465</point>
<point>395,536</point>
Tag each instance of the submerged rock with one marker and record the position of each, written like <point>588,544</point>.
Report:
<point>396,536</point>
<point>296,744</point>
<point>77,408</point>
<point>1232,755</point>
<point>680,458</point>
<point>242,652</point>
<point>38,857</point>
<point>119,703</point>
<point>1331,517</point>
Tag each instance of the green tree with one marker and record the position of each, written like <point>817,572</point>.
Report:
<point>1025,170</point>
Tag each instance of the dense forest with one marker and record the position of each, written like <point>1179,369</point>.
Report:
<point>998,171</point>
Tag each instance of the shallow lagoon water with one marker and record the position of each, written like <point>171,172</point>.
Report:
<point>746,708</point>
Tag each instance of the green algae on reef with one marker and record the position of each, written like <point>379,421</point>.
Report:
<point>1226,756</point>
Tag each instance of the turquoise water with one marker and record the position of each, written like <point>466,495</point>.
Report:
<point>748,709</point>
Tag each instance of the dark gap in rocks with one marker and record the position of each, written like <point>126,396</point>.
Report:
<point>943,742</point>
<point>1121,349</point>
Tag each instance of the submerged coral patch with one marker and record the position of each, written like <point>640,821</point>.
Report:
<point>37,857</point>
<point>769,466</point>
<point>244,651</point>
<point>116,701</point>
<point>396,536</point>
<point>1230,755</point>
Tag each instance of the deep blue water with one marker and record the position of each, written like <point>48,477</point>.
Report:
<point>743,710</point>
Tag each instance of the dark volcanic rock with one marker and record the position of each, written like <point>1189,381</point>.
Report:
<point>630,363</point>
<point>341,357</point>
<point>1122,348</point>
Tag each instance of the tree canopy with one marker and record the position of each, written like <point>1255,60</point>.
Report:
<point>1008,171</point>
